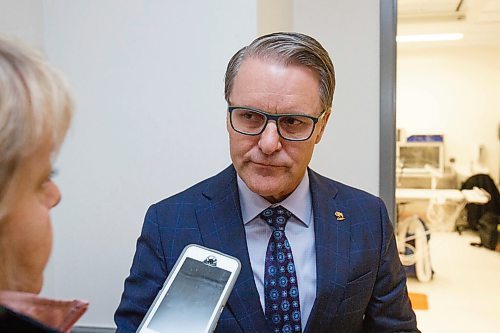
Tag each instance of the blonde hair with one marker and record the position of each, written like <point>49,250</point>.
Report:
<point>35,104</point>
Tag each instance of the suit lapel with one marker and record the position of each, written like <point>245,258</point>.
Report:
<point>222,228</point>
<point>332,251</point>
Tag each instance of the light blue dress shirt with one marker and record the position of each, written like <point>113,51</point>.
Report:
<point>299,231</point>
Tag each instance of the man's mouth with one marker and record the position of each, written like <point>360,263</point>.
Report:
<point>269,165</point>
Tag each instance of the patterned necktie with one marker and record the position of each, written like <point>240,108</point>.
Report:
<point>280,281</point>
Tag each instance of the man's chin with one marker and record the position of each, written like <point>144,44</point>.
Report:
<point>268,189</point>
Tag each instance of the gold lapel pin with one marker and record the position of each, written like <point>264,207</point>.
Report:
<point>339,216</point>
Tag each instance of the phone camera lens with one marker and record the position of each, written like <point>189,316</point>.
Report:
<point>210,261</point>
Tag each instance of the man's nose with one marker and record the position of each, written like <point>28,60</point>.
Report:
<point>270,140</point>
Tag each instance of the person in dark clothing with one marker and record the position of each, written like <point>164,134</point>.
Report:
<point>475,211</point>
<point>337,269</point>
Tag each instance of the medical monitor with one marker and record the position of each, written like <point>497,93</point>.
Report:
<point>417,157</point>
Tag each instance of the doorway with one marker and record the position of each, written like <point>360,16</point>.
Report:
<point>447,120</point>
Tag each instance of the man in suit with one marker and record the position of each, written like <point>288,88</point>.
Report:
<point>317,255</point>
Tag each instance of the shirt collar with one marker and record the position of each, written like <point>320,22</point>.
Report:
<point>299,202</point>
<point>56,314</point>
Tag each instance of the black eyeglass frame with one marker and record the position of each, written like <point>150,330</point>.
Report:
<point>275,117</point>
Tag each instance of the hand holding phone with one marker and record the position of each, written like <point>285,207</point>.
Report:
<point>194,294</point>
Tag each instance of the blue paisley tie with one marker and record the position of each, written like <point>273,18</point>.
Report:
<point>282,307</point>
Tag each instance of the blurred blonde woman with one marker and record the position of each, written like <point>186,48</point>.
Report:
<point>35,112</point>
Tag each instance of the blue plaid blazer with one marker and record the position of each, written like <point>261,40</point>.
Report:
<point>361,285</point>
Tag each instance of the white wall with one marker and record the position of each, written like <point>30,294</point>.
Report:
<point>453,91</point>
<point>273,16</point>
<point>23,20</point>
<point>148,81</point>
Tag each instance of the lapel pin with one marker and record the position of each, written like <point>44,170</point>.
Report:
<point>339,216</point>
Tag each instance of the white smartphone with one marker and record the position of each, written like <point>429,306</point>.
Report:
<point>194,294</point>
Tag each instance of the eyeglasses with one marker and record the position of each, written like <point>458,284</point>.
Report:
<point>292,127</point>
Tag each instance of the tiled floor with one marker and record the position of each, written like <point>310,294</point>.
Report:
<point>464,294</point>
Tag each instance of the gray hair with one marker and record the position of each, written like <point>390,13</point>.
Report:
<point>289,48</point>
<point>35,105</point>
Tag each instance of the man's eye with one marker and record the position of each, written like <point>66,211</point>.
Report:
<point>291,121</point>
<point>249,115</point>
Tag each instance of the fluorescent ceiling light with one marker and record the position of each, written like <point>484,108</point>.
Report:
<point>429,38</point>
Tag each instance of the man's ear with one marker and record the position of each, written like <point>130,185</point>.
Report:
<point>323,122</point>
